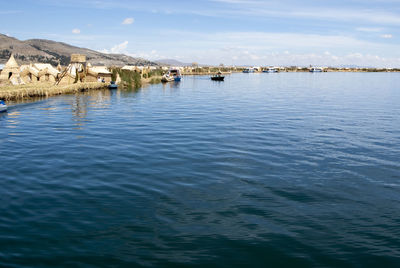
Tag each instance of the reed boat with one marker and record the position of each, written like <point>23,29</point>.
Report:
<point>172,75</point>
<point>3,106</point>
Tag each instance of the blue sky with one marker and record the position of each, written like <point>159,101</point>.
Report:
<point>233,32</point>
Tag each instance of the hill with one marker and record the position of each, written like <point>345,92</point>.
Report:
<point>47,51</point>
<point>172,62</point>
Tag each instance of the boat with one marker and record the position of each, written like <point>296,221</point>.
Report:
<point>172,75</point>
<point>316,70</point>
<point>271,70</point>
<point>3,106</point>
<point>248,70</point>
<point>112,85</point>
<point>218,77</point>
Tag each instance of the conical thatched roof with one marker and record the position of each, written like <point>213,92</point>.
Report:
<point>11,63</point>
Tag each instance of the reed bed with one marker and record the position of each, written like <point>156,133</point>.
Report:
<point>45,90</point>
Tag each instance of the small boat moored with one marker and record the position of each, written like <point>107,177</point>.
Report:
<point>218,77</point>
<point>172,75</point>
<point>248,70</point>
<point>3,106</point>
<point>271,70</point>
<point>316,70</point>
<point>112,85</point>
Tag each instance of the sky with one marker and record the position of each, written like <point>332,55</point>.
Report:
<point>231,32</point>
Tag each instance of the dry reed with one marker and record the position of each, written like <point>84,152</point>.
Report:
<point>44,90</point>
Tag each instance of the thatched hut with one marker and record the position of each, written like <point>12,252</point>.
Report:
<point>10,72</point>
<point>98,73</point>
<point>38,72</point>
<point>29,74</point>
<point>138,69</point>
<point>47,73</point>
<point>69,76</point>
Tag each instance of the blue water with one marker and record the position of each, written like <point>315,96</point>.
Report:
<point>287,169</point>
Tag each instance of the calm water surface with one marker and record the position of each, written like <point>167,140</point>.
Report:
<point>261,170</point>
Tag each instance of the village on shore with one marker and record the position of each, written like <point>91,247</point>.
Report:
<point>43,79</point>
<point>79,70</point>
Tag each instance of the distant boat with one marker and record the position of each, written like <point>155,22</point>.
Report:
<point>3,106</point>
<point>271,70</point>
<point>248,70</point>
<point>218,77</point>
<point>172,75</point>
<point>316,70</point>
<point>112,85</point>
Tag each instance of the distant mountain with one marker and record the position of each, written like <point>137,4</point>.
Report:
<point>46,51</point>
<point>172,62</point>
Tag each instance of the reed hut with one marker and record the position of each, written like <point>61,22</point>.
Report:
<point>47,73</point>
<point>38,72</point>
<point>29,74</point>
<point>75,71</point>
<point>98,73</point>
<point>142,70</point>
<point>131,68</point>
<point>68,77</point>
<point>10,72</point>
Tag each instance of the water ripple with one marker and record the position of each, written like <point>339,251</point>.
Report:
<point>287,169</point>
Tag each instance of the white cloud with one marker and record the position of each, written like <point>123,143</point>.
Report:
<point>369,29</point>
<point>387,36</point>
<point>263,48</point>
<point>76,31</point>
<point>117,49</point>
<point>128,21</point>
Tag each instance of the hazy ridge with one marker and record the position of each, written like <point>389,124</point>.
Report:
<point>47,51</point>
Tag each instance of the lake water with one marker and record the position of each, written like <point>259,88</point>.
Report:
<point>287,169</point>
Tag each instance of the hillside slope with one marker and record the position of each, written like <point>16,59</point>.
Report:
<point>47,51</point>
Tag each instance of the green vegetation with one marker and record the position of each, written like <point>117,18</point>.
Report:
<point>5,54</point>
<point>63,60</point>
<point>156,72</point>
<point>155,80</point>
<point>133,79</point>
<point>114,74</point>
<point>76,78</point>
<point>129,79</point>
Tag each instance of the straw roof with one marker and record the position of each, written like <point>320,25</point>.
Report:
<point>45,68</point>
<point>11,63</point>
<point>129,67</point>
<point>99,70</point>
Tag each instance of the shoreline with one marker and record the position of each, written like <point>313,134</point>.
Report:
<point>297,71</point>
<point>10,92</point>
<point>21,92</point>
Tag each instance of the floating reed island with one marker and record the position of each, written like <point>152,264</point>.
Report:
<point>11,92</point>
<point>43,80</point>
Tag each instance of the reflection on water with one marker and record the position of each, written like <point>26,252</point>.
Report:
<point>292,170</point>
<point>12,119</point>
